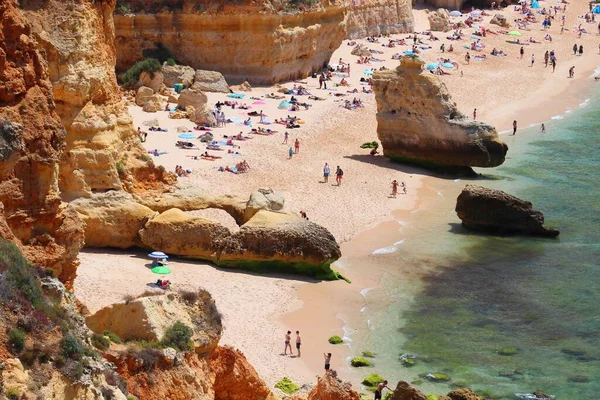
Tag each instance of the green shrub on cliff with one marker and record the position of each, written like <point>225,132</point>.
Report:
<point>179,336</point>
<point>287,386</point>
<point>335,340</point>
<point>100,342</point>
<point>132,75</point>
<point>16,339</point>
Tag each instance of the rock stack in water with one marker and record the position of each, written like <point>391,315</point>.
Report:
<point>494,211</point>
<point>418,123</point>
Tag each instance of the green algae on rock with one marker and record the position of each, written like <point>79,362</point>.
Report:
<point>438,377</point>
<point>287,386</point>
<point>335,340</point>
<point>372,380</point>
<point>360,362</point>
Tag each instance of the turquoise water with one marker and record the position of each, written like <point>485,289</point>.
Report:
<point>478,295</point>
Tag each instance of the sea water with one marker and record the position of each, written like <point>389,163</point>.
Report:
<point>501,315</point>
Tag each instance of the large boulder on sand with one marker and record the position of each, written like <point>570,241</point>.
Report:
<point>192,97</point>
<point>495,211</point>
<point>418,123</point>
<point>176,232</point>
<point>153,80</point>
<point>178,74</point>
<point>112,219</point>
<point>361,50</point>
<point>500,20</point>
<point>210,81</point>
<point>143,95</point>
<point>153,104</point>
<point>263,199</point>
<point>148,318</point>
<point>439,20</point>
<point>404,391</point>
<point>203,116</point>
<point>274,241</point>
<point>329,387</point>
<point>243,87</point>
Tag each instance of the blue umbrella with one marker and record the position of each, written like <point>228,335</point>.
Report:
<point>409,52</point>
<point>368,72</point>
<point>158,254</point>
<point>431,66</point>
<point>236,95</point>
<point>187,135</point>
<point>447,65</point>
<point>596,10</point>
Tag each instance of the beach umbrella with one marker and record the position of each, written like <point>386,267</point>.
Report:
<point>259,102</point>
<point>476,12</point>
<point>368,72</point>
<point>447,65</point>
<point>514,33</point>
<point>161,270</point>
<point>187,135</point>
<point>158,254</point>
<point>284,104</point>
<point>455,13</point>
<point>431,66</point>
<point>596,10</point>
<point>236,95</point>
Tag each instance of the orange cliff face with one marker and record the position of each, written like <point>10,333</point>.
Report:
<point>263,42</point>
<point>78,41</point>
<point>32,139</point>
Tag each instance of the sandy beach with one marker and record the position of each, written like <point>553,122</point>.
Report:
<point>259,309</point>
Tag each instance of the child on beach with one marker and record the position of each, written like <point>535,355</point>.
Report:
<point>297,146</point>
<point>291,152</point>
<point>403,185</point>
<point>327,357</point>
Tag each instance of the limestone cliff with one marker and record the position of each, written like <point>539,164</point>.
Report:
<point>250,41</point>
<point>101,144</point>
<point>418,123</point>
<point>374,17</point>
<point>31,142</point>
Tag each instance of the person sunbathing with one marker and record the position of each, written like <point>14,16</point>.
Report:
<point>344,82</point>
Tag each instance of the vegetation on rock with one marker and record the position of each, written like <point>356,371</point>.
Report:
<point>287,386</point>
<point>179,336</point>
<point>360,362</point>
<point>335,340</point>
<point>132,75</point>
<point>100,342</point>
<point>368,354</point>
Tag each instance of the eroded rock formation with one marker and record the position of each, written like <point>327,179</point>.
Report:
<point>374,17</point>
<point>495,211</point>
<point>31,142</point>
<point>262,42</point>
<point>418,123</point>
<point>404,391</point>
<point>439,20</point>
<point>329,387</point>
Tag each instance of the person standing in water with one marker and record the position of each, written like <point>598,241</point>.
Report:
<point>514,127</point>
<point>379,390</point>
<point>543,128</point>
<point>298,342</point>
<point>327,357</point>
<point>288,337</point>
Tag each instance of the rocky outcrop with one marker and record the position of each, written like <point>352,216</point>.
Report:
<point>148,318</point>
<point>209,35</point>
<point>404,391</point>
<point>178,74</point>
<point>463,394</point>
<point>210,81</point>
<point>235,378</point>
<point>375,17</point>
<point>263,199</point>
<point>500,20</point>
<point>81,68</point>
<point>153,80</point>
<point>418,123</point>
<point>31,141</point>
<point>329,387</point>
<point>495,211</point>
<point>112,219</point>
<point>192,97</point>
<point>361,50</point>
<point>439,20</point>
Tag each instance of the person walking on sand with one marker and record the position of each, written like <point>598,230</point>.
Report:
<point>572,72</point>
<point>532,60</point>
<point>514,127</point>
<point>580,50</point>
<point>403,186</point>
<point>327,357</point>
<point>320,81</point>
<point>338,175</point>
<point>297,146</point>
<point>262,117</point>
<point>543,128</point>
<point>394,188</point>
<point>285,137</point>
<point>522,52</point>
<point>379,390</point>
<point>553,61</point>
<point>288,337</point>
<point>468,58</point>
<point>475,113</point>
<point>326,171</point>
<point>298,339</point>
<point>575,49</point>
<point>290,152</point>
<point>546,58</point>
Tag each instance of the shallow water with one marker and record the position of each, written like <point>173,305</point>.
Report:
<point>457,299</point>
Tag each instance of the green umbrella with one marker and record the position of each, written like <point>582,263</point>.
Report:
<point>514,33</point>
<point>161,270</point>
